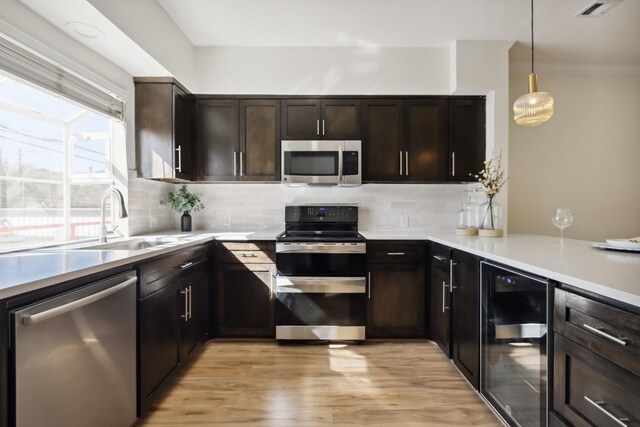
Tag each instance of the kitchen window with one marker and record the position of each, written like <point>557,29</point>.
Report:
<point>57,135</point>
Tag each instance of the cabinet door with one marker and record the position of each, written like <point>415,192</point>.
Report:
<point>154,130</point>
<point>341,119</point>
<point>195,328</point>
<point>382,140</point>
<point>218,140</point>
<point>260,140</point>
<point>245,300</point>
<point>465,324</point>
<point>184,148</point>
<point>301,119</point>
<point>467,137</point>
<point>396,301</point>
<point>159,338</point>
<point>440,309</point>
<point>426,133</point>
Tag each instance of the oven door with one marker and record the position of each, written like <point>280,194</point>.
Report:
<point>321,259</point>
<point>320,308</point>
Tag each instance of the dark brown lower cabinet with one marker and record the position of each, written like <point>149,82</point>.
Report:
<point>245,301</point>
<point>589,390</point>
<point>396,289</point>
<point>455,308</point>
<point>440,300</point>
<point>173,320</point>
<point>159,335</point>
<point>395,301</point>
<point>465,324</point>
<point>245,285</point>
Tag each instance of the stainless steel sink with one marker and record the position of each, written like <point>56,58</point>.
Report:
<point>130,245</point>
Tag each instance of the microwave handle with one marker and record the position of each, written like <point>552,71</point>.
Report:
<point>340,162</point>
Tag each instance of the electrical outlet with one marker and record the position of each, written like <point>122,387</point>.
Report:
<point>226,220</point>
<point>153,221</point>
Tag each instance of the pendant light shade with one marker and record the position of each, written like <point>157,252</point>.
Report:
<point>533,108</point>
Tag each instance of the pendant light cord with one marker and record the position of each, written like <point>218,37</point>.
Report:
<point>531,36</point>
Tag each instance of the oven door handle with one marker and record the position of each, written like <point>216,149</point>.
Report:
<point>321,248</point>
<point>320,285</point>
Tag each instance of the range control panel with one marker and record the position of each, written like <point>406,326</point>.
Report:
<point>321,213</point>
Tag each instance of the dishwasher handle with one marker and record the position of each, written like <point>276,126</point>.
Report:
<point>32,319</point>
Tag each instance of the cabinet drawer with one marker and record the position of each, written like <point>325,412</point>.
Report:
<point>440,256</point>
<point>591,391</point>
<point>608,331</point>
<point>395,252</point>
<point>156,274</point>
<point>246,253</point>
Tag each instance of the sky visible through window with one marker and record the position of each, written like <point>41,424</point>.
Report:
<point>55,163</point>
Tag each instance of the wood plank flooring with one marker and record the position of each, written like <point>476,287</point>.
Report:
<point>261,383</point>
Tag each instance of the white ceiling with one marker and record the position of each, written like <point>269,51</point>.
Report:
<point>613,38</point>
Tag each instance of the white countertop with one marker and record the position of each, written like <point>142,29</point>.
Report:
<point>612,274</point>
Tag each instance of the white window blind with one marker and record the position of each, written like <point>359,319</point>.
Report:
<point>26,64</point>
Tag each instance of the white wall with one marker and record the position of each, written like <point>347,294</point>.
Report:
<point>586,158</point>
<point>323,71</point>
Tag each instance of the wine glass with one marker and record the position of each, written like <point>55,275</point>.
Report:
<point>562,218</point>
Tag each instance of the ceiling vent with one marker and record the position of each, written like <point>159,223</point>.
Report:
<point>598,8</point>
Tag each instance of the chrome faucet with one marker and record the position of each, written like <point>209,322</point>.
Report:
<point>123,211</point>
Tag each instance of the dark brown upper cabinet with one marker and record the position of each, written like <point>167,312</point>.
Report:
<point>239,139</point>
<point>218,137</point>
<point>467,137</point>
<point>315,118</point>
<point>425,148</point>
<point>405,140</point>
<point>382,140</point>
<point>164,130</point>
<point>260,140</point>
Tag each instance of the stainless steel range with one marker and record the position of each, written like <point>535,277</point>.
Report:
<point>321,280</point>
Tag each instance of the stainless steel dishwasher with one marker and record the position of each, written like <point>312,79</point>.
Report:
<point>75,357</point>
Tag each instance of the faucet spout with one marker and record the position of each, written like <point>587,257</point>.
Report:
<point>123,211</point>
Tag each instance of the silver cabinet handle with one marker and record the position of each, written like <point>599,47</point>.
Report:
<point>340,160</point>
<point>190,305</point>
<point>235,155</point>
<point>406,166</point>
<point>599,405</point>
<point>603,334</point>
<point>453,163</point>
<point>439,258</point>
<point>185,292</point>
<point>185,265</point>
<point>369,285</point>
<point>179,150</point>
<point>443,296</point>
<point>241,163</point>
<point>451,265</point>
<point>32,319</point>
<point>401,163</point>
<point>318,127</point>
<point>271,277</point>
<point>323,127</point>
<point>395,253</point>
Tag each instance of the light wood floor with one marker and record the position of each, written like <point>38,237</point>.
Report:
<point>260,383</point>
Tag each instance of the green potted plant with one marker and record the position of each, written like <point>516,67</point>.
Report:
<point>185,202</point>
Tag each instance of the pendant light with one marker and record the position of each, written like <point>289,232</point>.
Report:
<point>535,107</point>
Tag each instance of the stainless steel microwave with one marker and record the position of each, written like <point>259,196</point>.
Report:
<point>325,162</point>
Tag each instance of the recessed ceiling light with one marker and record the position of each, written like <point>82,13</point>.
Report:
<point>85,30</point>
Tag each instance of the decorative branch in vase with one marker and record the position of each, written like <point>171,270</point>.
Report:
<point>185,202</point>
<point>492,179</point>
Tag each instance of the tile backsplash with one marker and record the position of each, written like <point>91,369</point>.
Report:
<point>146,213</point>
<point>382,206</point>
